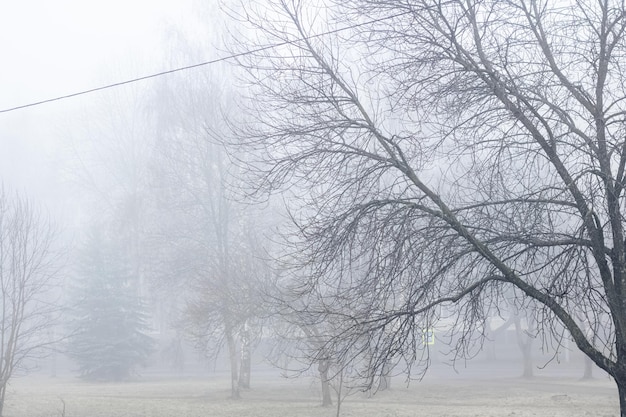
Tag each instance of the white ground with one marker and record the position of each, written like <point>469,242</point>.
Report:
<point>272,396</point>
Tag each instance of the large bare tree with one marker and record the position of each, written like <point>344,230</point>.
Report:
<point>28,295</point>
<point>444,153</point>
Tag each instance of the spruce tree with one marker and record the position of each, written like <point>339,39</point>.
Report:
<point>109,336</point>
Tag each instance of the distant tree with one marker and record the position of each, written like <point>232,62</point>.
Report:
<point>211,239</point>
<point>299,347</point>
<point>221,258</point>
<point>28,281</point>
<point>110,326</point>
<point>301,340</point>
<point>457,150</point>
<point>524,326</point>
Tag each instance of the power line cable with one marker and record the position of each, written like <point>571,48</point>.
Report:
<point>201,64</point>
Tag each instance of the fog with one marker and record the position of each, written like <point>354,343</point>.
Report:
<point>218,240</point>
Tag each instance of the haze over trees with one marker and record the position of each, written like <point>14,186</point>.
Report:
<point>440,156</point>
<point>111,318</point>
<point>192,248</point>
<point>451,169</point>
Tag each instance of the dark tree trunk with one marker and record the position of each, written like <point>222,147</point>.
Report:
<point>621,389</point>
<point>323,368</point>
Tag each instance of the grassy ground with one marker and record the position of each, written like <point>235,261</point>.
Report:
<point>195,397</point>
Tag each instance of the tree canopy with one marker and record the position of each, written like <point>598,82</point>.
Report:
<point>441,156</point>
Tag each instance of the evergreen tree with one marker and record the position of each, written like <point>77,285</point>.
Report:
<point>109,336</point>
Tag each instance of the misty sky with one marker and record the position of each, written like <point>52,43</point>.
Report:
<point>55,48</point>
<point>51,48</point>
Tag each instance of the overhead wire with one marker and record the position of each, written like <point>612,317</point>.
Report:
<point>201,64</point>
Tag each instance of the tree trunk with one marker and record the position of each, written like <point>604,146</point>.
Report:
<point>490,341</point>
<point>3,390</point>
<point>588,368</point>
<point>524,341</point>
<point>494,334</point>
<point>589,364</point>
<point>244,372</point>
<point>385,379</point>
<point>323,367</point>
<point>528,362</point>
<point>339,398</point>
<point>234,370</point>
<point>385,383</point>
<point>621,389</point>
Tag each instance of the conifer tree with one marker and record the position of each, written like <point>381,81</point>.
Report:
<point>110,339</point>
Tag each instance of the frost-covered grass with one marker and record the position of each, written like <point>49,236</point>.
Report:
<point>276,397</point>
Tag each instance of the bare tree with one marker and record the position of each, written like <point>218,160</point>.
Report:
<point>303,341</point>
<point>457,151</point>
<point>300,344</point>
<point>214,248</point>
<point>28,268</point>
